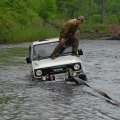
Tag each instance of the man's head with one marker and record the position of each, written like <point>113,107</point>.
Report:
<point>80,19</point>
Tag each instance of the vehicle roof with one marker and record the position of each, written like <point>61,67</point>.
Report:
<point>46,41</point>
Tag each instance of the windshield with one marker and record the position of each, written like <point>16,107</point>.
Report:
<point>42,51</point>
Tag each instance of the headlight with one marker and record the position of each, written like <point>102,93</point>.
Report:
<point>76,66</point>
<point>38,72</point>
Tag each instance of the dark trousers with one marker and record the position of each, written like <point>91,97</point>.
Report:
<point>70,41</point>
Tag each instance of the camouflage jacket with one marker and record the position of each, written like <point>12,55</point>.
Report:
<point>69,29</point>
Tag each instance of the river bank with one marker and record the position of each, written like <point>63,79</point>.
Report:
<point>45,31</point>
<point>96,36</point>
<point>52,34</point>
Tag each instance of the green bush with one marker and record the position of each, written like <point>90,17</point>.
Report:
<point>28,20</point>
<point>25,34</point>
<point>20,23</point>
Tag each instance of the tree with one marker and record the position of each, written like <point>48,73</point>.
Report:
<point>102,10</point>
<point>114,8</point>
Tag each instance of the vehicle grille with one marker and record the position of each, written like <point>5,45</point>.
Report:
<point>57,69</point>
<point>54,70</point>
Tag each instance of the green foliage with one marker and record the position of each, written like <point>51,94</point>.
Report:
<point>28,20</point>
<point>25,34</point>
<point>19,22</point>
<point>114,8</point>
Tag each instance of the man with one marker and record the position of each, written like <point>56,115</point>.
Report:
<point>67,37</point>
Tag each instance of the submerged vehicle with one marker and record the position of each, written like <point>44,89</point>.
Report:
<point>45,68</point>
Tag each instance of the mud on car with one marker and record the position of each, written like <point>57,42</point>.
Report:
<point>45,68</point>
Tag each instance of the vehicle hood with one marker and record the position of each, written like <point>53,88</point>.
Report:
<point>63,60</point>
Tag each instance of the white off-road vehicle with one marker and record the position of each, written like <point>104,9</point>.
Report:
<point>45,68</point>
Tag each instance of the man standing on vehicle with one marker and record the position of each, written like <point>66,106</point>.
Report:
<point>67,37</point>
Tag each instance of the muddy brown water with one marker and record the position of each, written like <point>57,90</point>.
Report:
<point>23,99</point>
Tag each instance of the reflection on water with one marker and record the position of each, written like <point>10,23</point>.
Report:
<point>23,99</point>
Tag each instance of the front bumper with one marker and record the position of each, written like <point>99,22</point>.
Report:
<point>62,76</point>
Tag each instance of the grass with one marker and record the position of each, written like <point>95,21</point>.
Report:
<point>27,34</point>
<point>17,33</point>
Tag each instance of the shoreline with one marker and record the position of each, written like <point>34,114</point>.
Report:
<point>81,36</point>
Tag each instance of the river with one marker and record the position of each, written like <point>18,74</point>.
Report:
<point>23,99</point>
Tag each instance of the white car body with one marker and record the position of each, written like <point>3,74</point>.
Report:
<point>45,68</point>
